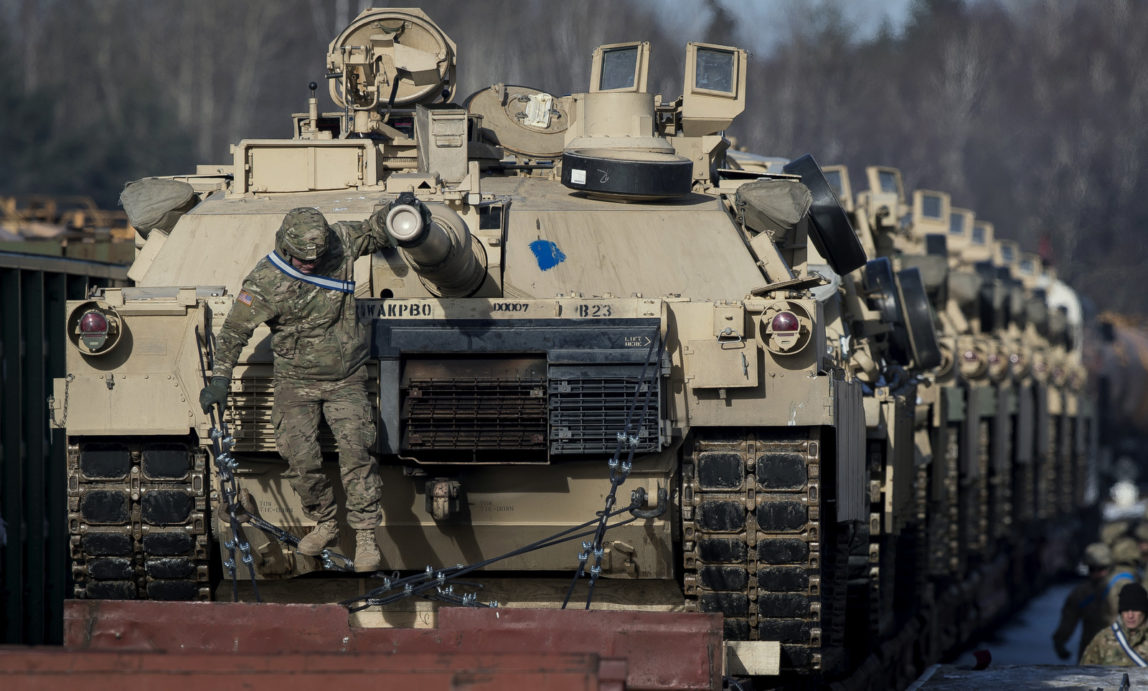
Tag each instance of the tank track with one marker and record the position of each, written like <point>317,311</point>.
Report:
<point>137,518</point>
<point>979,542</point>
<point>755,542</point>
<point>1047,479</point>
<point>944,510</point>
<point>1000,484</point>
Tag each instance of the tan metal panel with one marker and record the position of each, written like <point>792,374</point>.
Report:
<point>651,249</point>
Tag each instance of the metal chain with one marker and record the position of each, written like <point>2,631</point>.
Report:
<point>396,588</point>
<point>226,465</point>
<point>52,402</point>
<point>432,579</point>
<point>619,472</point>
<point>221,444</point>
<point>332,561</point>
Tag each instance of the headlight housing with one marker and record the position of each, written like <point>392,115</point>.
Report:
<point>94,329</point>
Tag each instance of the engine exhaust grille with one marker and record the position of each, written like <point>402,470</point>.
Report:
<point>475,414</point>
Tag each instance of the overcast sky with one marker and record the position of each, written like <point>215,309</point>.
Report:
<point>765,21</point>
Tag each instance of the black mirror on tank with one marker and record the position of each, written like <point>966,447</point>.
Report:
<point>880,287</point>
<point>918,319</point>
<point>838,179</point>
<point>987,299</point>
<point>832,233</point>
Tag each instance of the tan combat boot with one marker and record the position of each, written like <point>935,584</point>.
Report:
<point>367,557</point>
<point>321,535</point>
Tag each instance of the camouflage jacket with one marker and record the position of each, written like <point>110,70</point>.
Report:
<point>1087,604</point>
<point>314,331</point>
<point>1105,650</point>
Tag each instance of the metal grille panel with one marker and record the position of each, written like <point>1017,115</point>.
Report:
<point>587,414</point>
<point>475,414</point>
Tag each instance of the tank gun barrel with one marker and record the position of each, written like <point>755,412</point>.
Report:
<point>436,243</point>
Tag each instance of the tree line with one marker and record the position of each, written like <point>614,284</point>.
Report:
<point>1029,112</point>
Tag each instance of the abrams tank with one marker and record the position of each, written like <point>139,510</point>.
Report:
<point>587,317</point>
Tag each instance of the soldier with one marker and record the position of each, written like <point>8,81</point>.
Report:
<point>1125,642</point>
<point>1111,532</point>
<point>1125,568</point>
<point>305,292</point>
<point>1141,534</point>
<point>1087,603</point>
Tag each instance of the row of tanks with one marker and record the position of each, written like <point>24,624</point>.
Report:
<point>852,422</point>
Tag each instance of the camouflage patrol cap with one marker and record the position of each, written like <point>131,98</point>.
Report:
<point>1098,556</point>
<point>1126,551</point>
<point>303,234</point>
<point>1111,532</point>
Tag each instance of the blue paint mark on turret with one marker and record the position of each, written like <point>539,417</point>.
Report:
<point>547,254</point>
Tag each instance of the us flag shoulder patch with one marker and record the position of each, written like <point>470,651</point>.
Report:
<point>244,297</point>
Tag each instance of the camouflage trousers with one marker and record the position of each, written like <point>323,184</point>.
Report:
<point>295,415</point>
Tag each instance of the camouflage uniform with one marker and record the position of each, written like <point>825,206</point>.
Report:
<point>1087,604</point>
<point>1105,650</point>
<point>1111,532</point>
<point>320,347</point>
<point>1126,555</point>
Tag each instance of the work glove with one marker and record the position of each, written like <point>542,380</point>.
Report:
<point>213,393</point>
<point>378,225</point>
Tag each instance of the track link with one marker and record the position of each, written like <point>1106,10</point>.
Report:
<point>755,547</point>
<point>137,519</point>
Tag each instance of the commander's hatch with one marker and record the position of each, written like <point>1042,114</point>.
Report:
<point>931,213</point>
<point>885,203</point>
<point>389,58</point>
<point>620,67</point>
<point>1006,253</point>
<point>714,88</point>
<point>960,226</point>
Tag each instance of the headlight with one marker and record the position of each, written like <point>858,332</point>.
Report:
<point>785,328</point>
<point>94,329</point>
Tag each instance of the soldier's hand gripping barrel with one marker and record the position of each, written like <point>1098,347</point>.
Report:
<point>437,244</point>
